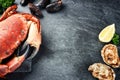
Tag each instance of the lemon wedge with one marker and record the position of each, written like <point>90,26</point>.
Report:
<point>107,33</point>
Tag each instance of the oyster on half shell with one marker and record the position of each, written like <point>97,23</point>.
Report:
<point>102,71</point>
<point>110,55</point>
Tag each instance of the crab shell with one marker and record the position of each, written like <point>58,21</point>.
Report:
<point>14,28</point>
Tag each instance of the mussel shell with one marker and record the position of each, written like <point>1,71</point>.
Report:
<point>54,6</point>
<point>35,10</point>
<point>42,3</point>
<point>24,2</point>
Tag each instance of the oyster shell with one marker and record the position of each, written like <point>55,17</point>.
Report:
<point>102,71</point>
<point>110,56</point>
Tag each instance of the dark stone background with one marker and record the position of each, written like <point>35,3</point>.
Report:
<point>70,40</point>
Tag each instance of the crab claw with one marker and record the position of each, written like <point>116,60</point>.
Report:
<point>34,38</point>
<point>34,35</point>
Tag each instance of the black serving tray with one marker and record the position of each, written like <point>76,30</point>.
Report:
<point>70,40</point>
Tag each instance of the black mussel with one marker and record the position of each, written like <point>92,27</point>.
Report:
<point>42,3</point>
<point>54,6</point>
<point>24,2</point>
<point>35,10</point>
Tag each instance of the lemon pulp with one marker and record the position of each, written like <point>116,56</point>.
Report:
<point>107,33</point>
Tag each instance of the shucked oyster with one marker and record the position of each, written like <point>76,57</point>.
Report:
<point>102,71</point>
<point>110,56</point>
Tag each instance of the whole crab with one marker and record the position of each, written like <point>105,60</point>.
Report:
<point>16,27</point>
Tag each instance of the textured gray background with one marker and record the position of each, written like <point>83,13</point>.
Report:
<point>70,40</point>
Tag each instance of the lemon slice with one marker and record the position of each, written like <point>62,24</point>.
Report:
<point>107,33</point>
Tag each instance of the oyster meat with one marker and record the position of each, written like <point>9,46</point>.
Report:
<point>102,71</point>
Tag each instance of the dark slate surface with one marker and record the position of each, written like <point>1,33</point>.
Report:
<point>70,40</point>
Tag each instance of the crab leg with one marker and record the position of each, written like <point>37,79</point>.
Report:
<point>10,10</point>
<point>3,70</point>
<point>13,64</point>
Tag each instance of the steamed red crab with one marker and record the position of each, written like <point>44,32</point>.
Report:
<point>14,28</point>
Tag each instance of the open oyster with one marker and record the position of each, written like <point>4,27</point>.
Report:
<point>102,71</point>
<point>110,56</point>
